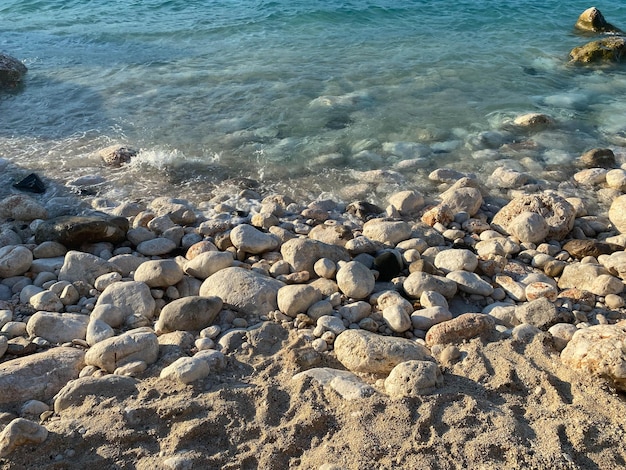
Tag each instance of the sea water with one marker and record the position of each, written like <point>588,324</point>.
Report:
<point>303,96</point>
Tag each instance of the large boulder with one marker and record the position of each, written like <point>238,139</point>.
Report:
<point>188,314</point>
<point>244,290</point>
<point>12,71</point>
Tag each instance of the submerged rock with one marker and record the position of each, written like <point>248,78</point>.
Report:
<point>12,71</point>
<point>603,50</point>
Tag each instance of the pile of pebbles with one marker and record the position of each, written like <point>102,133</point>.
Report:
<point>391,291</point>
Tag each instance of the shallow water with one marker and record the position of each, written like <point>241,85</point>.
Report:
<point>299,95</point>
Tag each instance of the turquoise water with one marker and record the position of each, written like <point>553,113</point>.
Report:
<point>300,94</point>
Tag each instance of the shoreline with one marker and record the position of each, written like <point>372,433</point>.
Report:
<point>264,316</point>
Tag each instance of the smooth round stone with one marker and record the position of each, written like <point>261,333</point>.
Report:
<point>188,314</point>
<point>397,318</point>
<point>72,231</point>
<point>9,237</point>
<point>5,292</point>
<point>20,432</point>
<point>135,345</point>
<point>617,213</point>
<point>616,179</point>
<point>251,240</point>
<point>325,268</point>
<point>535,290</point>
<point>186,370</point>
<point>529,227</point>
<point>471,283</point>
<point>5,317</point>
<point>159,273</point>
<point>455,260</point>
<point>47,301</point>
<point>208,263</point>
<point>590,176</point>
<point>425,318</point>
<point>13,329</point>
<point>614,301</point>
<point>406,201</point>
<point>355,280</point>
<point>14,260</point>
<point>461,328</point>
<point>388,232</point>
<point>102,282</point>
<point>211,332</point>
<point>525,332</point>
<point>4,345</point>
<point>109,314</point>
<point>49,249</point>
<point>156,247</point>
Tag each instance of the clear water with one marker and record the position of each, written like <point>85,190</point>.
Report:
<point>300,95</point>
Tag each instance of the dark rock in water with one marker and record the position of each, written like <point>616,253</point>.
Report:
<point>12,71</point>
<point>580,248</point>
<point>363,209</point>
<point>388,266</point>
<point>72,231</point>
<point>592,20</point>
<point>32,183</point>
<point>116,155</point>
<point>598,158</point>
<point>603,50</point>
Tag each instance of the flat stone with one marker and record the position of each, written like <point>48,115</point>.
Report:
<point>294,299</point>
<point>134,345</point>
<point>461,328</point>
<point>541,313</point>
<point>159,273</point>
<point>186,370</point>
<point>425,318</point>
<point>590,277</point>
<point>579,249</point>
<point>418,282</point>
<point>363,351</point>
<point>251,240</point>
<point>208,263</point>
<point>156,247</point>
<point>455,260</point>
<point>130,297</point>
<point>109,386</point>
<point>355,280</point>
<point>471,283</point>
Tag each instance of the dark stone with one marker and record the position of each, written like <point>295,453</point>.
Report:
<point>363,209</point>
<point>32,183</point>
<point>12,71</point>
<point>598,158</point>
<point>72,231</point>
<point>21,347</point>
<point>388,266</point>
<point>580,248</point>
